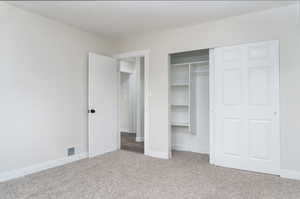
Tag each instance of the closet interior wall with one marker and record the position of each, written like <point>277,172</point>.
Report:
<point>189,101</point>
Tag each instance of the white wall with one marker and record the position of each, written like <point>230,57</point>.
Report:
<point>281,24</point>
<point>125,119</point>
<point>128,96</point>
<point>43,78</point>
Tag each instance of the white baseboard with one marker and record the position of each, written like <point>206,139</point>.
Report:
<point>40,167</point>
<point>157,154</point>
<point>184,148</point>
<point>139,139</point>
<point>290,174</point>
<point>91,155</point>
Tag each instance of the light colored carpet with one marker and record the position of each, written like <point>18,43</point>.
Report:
<point>129,175</point>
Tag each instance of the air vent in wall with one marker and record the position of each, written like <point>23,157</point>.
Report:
<point>71,151</point>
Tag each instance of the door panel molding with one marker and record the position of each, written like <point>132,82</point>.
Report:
<point>256,107</point>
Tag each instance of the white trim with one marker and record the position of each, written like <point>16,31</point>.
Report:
<point>147,94</point>
<point>138,53</point>
<point>40,167</point>
<point>119,107</point>
<point>169,107</point>
<point>157,154</point>
<point>277,100</point>
<point>290,174</point>
<point>139,139</point>
<point>188,149</point>
<point>211,80</point>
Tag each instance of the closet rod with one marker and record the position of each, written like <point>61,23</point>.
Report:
<point>199,62</point>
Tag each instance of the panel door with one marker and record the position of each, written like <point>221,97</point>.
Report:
<point>246,107</point>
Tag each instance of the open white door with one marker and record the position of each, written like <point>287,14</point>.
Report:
<point>246,107</point>
<point>103,104</point>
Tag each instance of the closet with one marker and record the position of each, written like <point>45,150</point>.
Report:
<point>189,100</point>
<point>244,105</point>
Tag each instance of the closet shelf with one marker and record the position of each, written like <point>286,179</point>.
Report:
<point>181,65</point>
<point>200,62</point>
<point>185,70</point>
<point>182,124</point>
<point>179,84</point>
<point>184,105</point>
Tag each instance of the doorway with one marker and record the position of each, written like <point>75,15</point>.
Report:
<point>131,104</point>
<point>104,104</point>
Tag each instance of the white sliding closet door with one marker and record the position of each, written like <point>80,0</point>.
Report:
<point>246,107</point>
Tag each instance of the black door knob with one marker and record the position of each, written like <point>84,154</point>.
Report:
<point>92,111</point>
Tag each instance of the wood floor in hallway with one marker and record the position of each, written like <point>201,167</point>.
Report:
<point>129,143</point>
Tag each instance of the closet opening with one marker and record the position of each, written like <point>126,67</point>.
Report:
<point>131,103</point>
<point>189,101</point>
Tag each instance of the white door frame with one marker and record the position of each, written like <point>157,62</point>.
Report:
<point>211,80</point>
<point>145,54</point>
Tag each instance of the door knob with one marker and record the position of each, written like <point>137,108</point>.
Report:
<point>92,111</point>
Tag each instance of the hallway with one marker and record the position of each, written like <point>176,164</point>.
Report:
<point>128,143</point>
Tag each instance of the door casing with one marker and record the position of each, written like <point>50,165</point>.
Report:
<point>147,94</point>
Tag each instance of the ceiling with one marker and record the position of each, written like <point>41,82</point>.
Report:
<point>118,19</point>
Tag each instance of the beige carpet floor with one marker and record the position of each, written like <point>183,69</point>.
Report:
<point>129,175</point>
